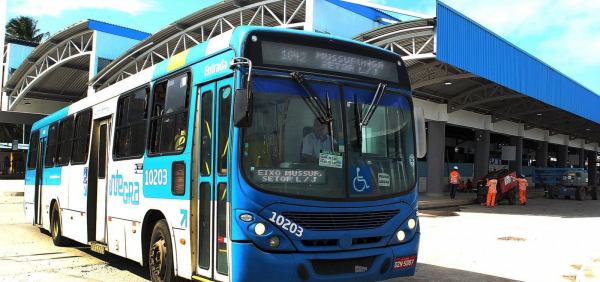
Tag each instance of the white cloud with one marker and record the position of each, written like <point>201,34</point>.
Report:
<point>56,7</point>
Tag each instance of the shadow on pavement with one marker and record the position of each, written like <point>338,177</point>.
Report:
<point>432,273</point>
<point>117,262</point>
<point>112,260</point>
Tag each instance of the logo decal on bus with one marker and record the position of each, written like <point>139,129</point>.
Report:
<point>214,68</point>
<point>130,191</point>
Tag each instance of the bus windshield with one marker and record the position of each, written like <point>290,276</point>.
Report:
<point>288,149</point>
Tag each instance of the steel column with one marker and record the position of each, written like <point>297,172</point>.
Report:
<point>562,156</point>
<point>541,155</point>
<point>436,143</point>
<point>482,153</point>
<point>592,168</point>
<point>517,164</point>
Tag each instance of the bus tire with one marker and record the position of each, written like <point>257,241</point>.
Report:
<point>580,193</point>
<point>56,229</point>
<point>594,193</point>
<point>160,260</point>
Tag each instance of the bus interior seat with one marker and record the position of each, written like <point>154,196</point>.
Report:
<point>305,131</point>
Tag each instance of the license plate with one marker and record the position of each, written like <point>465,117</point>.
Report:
<point>97,249</point>
<point>404,262</point>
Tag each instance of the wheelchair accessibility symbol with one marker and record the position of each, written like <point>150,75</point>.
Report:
<point>361,179</point>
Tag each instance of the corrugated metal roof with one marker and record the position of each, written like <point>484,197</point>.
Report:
<point>464,43</point>
<point>20,42</point>
<point>468,51</point>
<point>168,33</point>
<point>42,49</point>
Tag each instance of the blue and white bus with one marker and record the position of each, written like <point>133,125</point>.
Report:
<point>262,154</point>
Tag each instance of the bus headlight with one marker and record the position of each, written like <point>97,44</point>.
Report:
<point>401,235</point>
<point>412,223</point>
<point>259,229</point>
<point>274,242</point>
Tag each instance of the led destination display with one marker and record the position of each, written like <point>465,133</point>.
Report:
<point>295,176</point>
<point>283,54</point>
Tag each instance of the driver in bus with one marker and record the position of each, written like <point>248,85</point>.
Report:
<point>313,143</point>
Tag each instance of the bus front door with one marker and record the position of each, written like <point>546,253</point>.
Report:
<point>39,180</point>
<point>97,183</point>
<point>213,220</point>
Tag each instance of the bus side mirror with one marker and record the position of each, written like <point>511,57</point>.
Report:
<point>420,132</point>
<point>242,108</point>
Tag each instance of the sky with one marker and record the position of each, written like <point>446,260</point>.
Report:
<point>565,34</point>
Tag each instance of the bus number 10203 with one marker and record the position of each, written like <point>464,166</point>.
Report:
<point>156,177</point>
<point>287,224</point>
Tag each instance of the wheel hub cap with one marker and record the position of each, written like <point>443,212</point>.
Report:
<point>158,255</point>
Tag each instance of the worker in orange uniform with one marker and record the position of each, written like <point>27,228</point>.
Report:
<point>454,179</point>
<point>522,188</point>
<point>462,187</point>
<point>491,196</point>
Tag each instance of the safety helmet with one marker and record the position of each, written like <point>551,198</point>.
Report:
<point>455,167</point>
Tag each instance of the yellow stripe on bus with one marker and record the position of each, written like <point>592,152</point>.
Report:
<point>177,61</point>
<point>201,279</point>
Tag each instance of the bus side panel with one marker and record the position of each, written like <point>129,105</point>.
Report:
<point>29,194</point>
<point>78,202</point>
<point>124,206</point>
<point>157,194</point>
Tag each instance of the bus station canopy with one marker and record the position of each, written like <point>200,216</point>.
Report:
<point>455,61</point>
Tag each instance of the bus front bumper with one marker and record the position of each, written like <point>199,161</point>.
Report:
<point>252,264</point>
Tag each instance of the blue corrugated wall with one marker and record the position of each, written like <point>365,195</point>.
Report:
<point>464,43</point>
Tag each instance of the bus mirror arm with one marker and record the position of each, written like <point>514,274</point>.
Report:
<point>243,105</point>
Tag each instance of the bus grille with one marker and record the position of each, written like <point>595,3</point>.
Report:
<point>342,266</point>
<point>334,242</point>
<point>332,221</point>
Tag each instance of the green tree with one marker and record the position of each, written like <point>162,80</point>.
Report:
<point>24,28</point>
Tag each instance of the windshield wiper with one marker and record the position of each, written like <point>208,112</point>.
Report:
<point>376,99</point>
<point>364,120</point>
<point>325,113</point>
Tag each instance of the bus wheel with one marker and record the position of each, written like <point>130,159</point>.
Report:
<point>55,230</point>
<point>161,254</point>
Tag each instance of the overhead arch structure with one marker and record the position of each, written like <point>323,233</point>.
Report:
<point>199,27</point>
<point>436,80</point>
<point>56,73</point>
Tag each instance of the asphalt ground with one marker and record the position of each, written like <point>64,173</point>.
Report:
<point>546,240</point>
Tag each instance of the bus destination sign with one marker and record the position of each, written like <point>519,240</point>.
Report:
<point>283,54</point>
<point>289,176</point>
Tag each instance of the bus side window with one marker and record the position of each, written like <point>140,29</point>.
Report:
<point>169,123</point>
<point>206,133</point>
<point>224,121</point>
<point>81,139</point>
<point>131,124</point>
<point>51,145</point>
<point>65,139</point>
<point>33,150</point>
